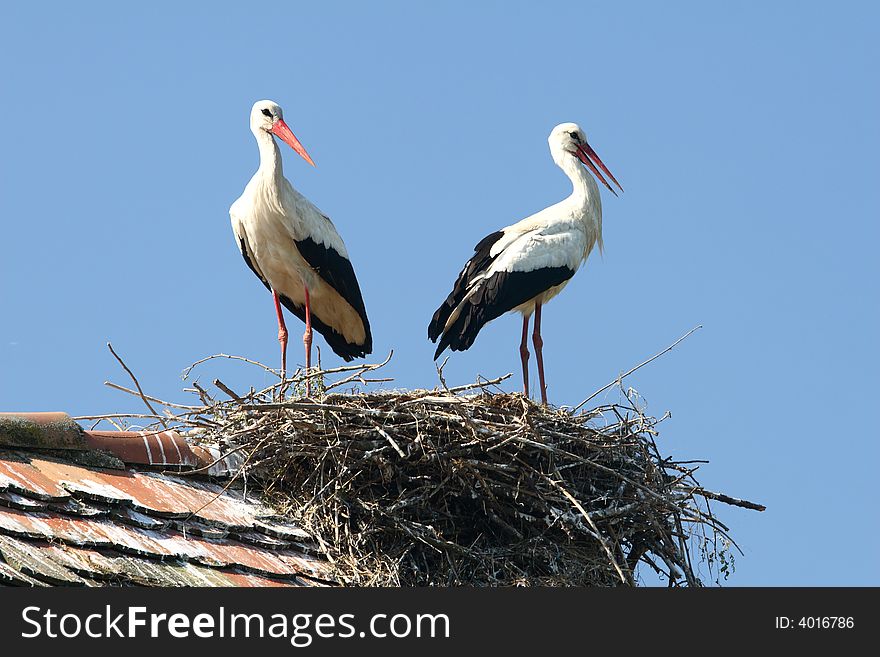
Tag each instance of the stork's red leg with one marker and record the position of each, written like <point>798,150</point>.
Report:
<point>539,353</point>
<point>282,333</point>
<point>524,354</point>
<point>307,341</point>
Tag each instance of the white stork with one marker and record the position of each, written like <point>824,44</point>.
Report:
<point>523,266</point>
<point>294,249</point>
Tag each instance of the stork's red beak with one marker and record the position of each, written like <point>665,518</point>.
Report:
<point>281,131</point>
<point>587,155</point>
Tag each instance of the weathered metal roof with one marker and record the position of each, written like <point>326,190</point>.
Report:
<point>65,520</point>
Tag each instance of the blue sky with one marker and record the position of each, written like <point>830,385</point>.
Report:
<point>744,133</point>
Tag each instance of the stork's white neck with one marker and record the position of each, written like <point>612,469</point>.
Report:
<point>270,155</point>
<point>586,203</point>
<point>585,191</point>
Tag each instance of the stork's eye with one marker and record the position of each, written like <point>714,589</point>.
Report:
<point>575,136</point>
<point>267,113</point>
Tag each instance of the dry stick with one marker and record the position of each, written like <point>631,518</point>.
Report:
<point>733,501</point>
<point>227,390</point>
<point>440,373</point>
<point>204,423</point>
<point>359,370</point>
<point>116,386</point>
<point>637,367</point>
<point>479,384</point>
<point>137,385</point>
<point>120,416</point>
<point>387,437</point>
<point>207,400</point>
<point>363,369</point>
<point>695,514</point>
<point>573,500</point>
<point>98,421</point>
<point>345,368</point>
<point>682,547</point>
<point>316,406</point>
<point>189,369</point>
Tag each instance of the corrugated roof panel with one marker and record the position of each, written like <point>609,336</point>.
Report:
<point>68,520</point>
<point>165,495</point>
<point>83,561</point>
<point>307,565</point>
<point>250,581</point>
<point>75,507</point>
<point>261,540</point>
<point>143,572</point>
<point>9,576</point>
<point>284,530</point>
<point>31,562</point>
<point>16,501</point>
<point>192,527</point>
<point>142,520</point>
<point>150,493</point>
<point>79,531</point>
<point>17,475</point>
<point>102,533</point>
<point>147,492</point>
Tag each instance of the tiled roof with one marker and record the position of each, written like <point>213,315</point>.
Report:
<point>98,508</point>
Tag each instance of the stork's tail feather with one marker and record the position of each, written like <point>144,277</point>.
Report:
<point>464,330</point>
<point>441,316</point>
<point>491,297</point>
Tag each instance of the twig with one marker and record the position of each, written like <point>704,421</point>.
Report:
<point>726,499</point>
<point>440,373</point>
<point>227,390</point>
<point>479,384</point>
<point>137,385</point>
<point>120,416</point>
<point>637,367</point>
<point>189,369</point>
<point>357,376</point>
<point>602,541</point>
<point>315,372</point>
<point>207,400</point>
<point>137,393</point>
<point>385,435</point>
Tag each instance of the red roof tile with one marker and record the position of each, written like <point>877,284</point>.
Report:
<point>33,430</point>
<point>145,447</point>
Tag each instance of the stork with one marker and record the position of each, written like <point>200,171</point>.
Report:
<point>294,249</point>
<point>521,267</point>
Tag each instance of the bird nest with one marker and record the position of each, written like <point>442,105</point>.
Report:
<point>468,485</point>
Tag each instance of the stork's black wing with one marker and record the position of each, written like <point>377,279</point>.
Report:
<point>249,260</point>
<point>338,273</point>
<point>336,270</point>
<point>495,295</point>
<point>479,262</point>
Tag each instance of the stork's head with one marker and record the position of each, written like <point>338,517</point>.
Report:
<point>567,141</point>
<point>267,116</point>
